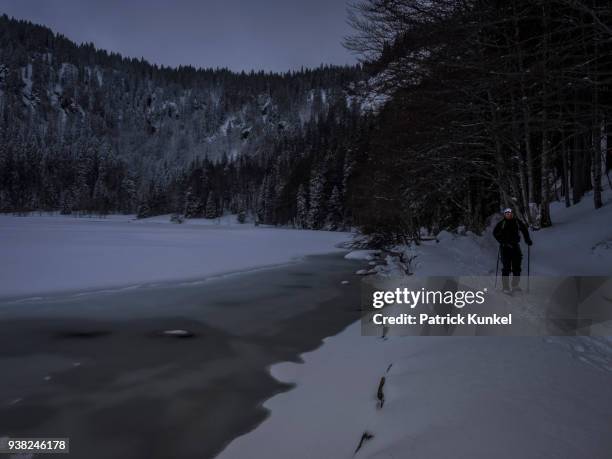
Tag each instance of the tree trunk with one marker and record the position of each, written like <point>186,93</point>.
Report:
<point>546,153</point>
<point>545,220</point>
<point>566,180</point>
<point>596,165</point>
<point>526,165</point>
<point>532,210</point>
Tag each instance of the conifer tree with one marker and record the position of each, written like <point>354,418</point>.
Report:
<point>316,189</point>
<point>211,206</point>
<point>301,208</point>
<point>334,211</point>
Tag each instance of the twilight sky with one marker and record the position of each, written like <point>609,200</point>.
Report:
<point>275,35</point>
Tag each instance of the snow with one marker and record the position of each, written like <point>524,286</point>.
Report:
<point>178,333</point>
<point>578,243</point>
<point>371,97</point>
<point>68,72</point>
<point>48,254</point>
<point>362,255</point>
<point>227,124</point>
<point>455,396</point>
<point>444,397</point>
<point>28,97</point>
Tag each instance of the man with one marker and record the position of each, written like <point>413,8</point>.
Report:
<point>507,234</point>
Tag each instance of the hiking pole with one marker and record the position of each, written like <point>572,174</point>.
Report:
<point>497,265</point>
<point>528,265</point>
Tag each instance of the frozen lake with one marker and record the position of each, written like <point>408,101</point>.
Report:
<point>50,254</point>
<point>98,368</point>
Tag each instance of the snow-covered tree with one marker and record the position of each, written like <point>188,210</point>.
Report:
<point>301,207</point>
<point>334,211</point>
<point>193,204</point>
<point>67,203</point>
<point>211,206</point>
<point>316,190</point>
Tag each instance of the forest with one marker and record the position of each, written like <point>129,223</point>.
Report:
<point>494,104</point>
<point>456,109</point>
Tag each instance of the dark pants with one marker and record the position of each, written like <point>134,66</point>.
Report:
<point>512,257</point>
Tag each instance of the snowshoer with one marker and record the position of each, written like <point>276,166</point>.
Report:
<point>507,233</point>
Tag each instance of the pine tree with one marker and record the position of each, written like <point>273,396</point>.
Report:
<point>211,206</point>
<point>260,203</point>
<point>101,199</point>
<point>66,203</point>
<point>316,187</point>
<point>302,208</point>
<point>241,216</point>
<point>242,210</point>
<point>334,215</point>
<point>143,211</point>
<point>127,194</point>
<point>193,205</point>
<point>270,200</point>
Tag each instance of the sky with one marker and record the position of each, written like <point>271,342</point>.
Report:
<point>272,35</point>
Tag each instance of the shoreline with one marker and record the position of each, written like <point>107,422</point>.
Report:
<point>54,296</point>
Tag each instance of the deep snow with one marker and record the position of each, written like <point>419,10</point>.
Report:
<point>47,254</point>
<point>459,397</point>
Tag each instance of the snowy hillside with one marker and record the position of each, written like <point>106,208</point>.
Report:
<point>455,396</point>
<point>85,130</point>
<point>68,92</point>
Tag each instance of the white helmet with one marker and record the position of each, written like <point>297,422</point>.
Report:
<point>507,210</point>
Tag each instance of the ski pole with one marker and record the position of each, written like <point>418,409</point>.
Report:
<point>497,265</point>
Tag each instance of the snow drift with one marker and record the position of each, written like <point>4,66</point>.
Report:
<point>459,396</point>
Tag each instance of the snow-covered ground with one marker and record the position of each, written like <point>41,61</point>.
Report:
<point>46,254</point>
<point>460,397</point>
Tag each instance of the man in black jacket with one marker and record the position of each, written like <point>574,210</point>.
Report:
<point>507,234</point>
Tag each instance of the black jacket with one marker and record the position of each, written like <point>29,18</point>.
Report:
<point>507,232</point>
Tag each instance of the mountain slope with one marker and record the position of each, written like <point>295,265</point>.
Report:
<point>53,88</point>
<point>90,131</point>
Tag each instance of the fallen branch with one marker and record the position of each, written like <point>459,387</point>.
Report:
<point>380,395</point>
<point>365,437</point>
